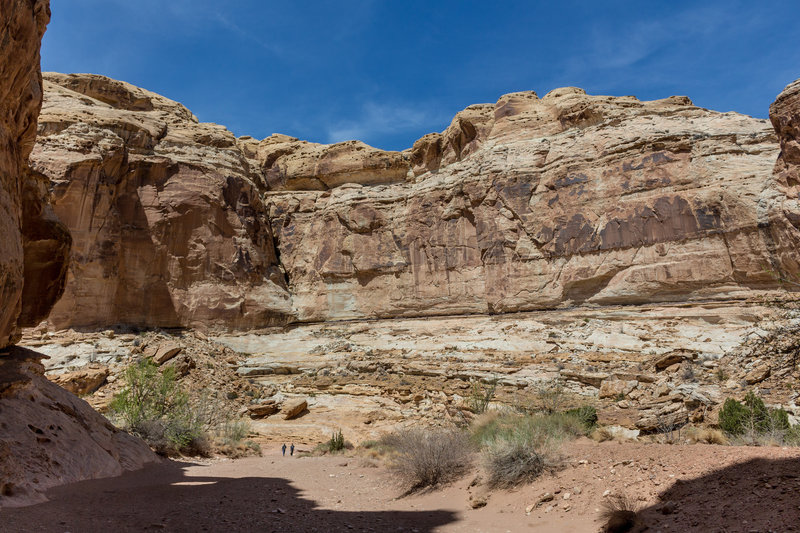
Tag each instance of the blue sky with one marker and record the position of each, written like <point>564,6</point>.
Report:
<point>387,72</point>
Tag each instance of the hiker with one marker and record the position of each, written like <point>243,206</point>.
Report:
<point>283,449</point>
<point>291,450</point>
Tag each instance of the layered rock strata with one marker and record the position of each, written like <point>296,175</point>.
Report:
<point>34,246</point>
<point>168,225</point>
<point>528,203</point>
<point>537,203</point>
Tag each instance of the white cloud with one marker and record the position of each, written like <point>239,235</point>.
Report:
<point>382,118</point>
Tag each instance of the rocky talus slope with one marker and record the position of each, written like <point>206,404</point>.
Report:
<point>47,435</point>
<point>528,203</point>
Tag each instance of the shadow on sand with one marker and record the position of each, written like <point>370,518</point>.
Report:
<point>759,495</point>
<point>163,498</point>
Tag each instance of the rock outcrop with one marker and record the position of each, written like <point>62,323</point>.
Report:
<point>528,203</point>
<point>535,203</point>
<point>168,225</point>
<point>47,435</point>
<point>34,245</point>
<point>50,437</point>
<point>785,209</point>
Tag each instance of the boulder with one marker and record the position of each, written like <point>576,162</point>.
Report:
<point>617,388</point>
<point>263,409</point>
<point>292,408</point>
<point>666,360</point>
<point>757,375</point>
<point>81,382</point>
<point>166,351</point>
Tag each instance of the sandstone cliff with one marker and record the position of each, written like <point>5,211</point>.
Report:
<point>50,437</point>
<point>47,435</point>
<point>537,203</point>
<point>785,207</point>
<point>34,245</point>
<point>168,225</point>
<point>528,203</point>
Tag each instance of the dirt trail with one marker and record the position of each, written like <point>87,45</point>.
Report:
<point>714,488</point>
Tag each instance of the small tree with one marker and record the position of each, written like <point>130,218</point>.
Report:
<point>152,406</point>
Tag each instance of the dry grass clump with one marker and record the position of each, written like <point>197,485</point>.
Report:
<point>706,436</point>
<point>618,513</point>
<point>518,448</point>
<point>427,457</point>
<point>601,434</point>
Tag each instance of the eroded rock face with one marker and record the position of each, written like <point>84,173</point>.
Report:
<point>168,225</point>
<point>785,208</point>
<point>528,203</point>
<point>50,437</point>
<point>543,202</point>
<point>34,245</point>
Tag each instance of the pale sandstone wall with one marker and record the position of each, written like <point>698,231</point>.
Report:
<point>538,203</point>
<point>528,203</point>
<point>168,223</point>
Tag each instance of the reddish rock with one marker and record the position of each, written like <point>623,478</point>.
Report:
<point>264,409</point>
<point>34,245</point>
<point>166,351</point>
<point>165,212</point>
<point>81,382</point>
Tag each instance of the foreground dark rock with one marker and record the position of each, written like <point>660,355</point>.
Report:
<point>49,436</point>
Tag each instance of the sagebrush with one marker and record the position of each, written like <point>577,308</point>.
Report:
<point>429,457</point>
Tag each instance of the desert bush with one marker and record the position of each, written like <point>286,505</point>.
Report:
<point>737,418</point>
<point>336,443</point>
<point>618,512</point>
<point>552,395</point>
<point>753,423</point>
<point>428,457</point>
<point>481,396</point>
<point>234,431</point>
<point>152,406</point>
<point>333,445</point>
<point>586,414</point>
<point>706,435</point>
<point>517,448</point>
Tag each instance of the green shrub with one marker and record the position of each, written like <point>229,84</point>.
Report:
<point>754,420</point>
<point>152,406</point>
<point>336,444</point>
<point>586,414</point>
<point>734,417</point>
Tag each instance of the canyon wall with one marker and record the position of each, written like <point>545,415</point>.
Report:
<point>168,225</point>
<point>534,203</point>
<point>47,436</point>
<point>34,247</point>
<point>528,203</point>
